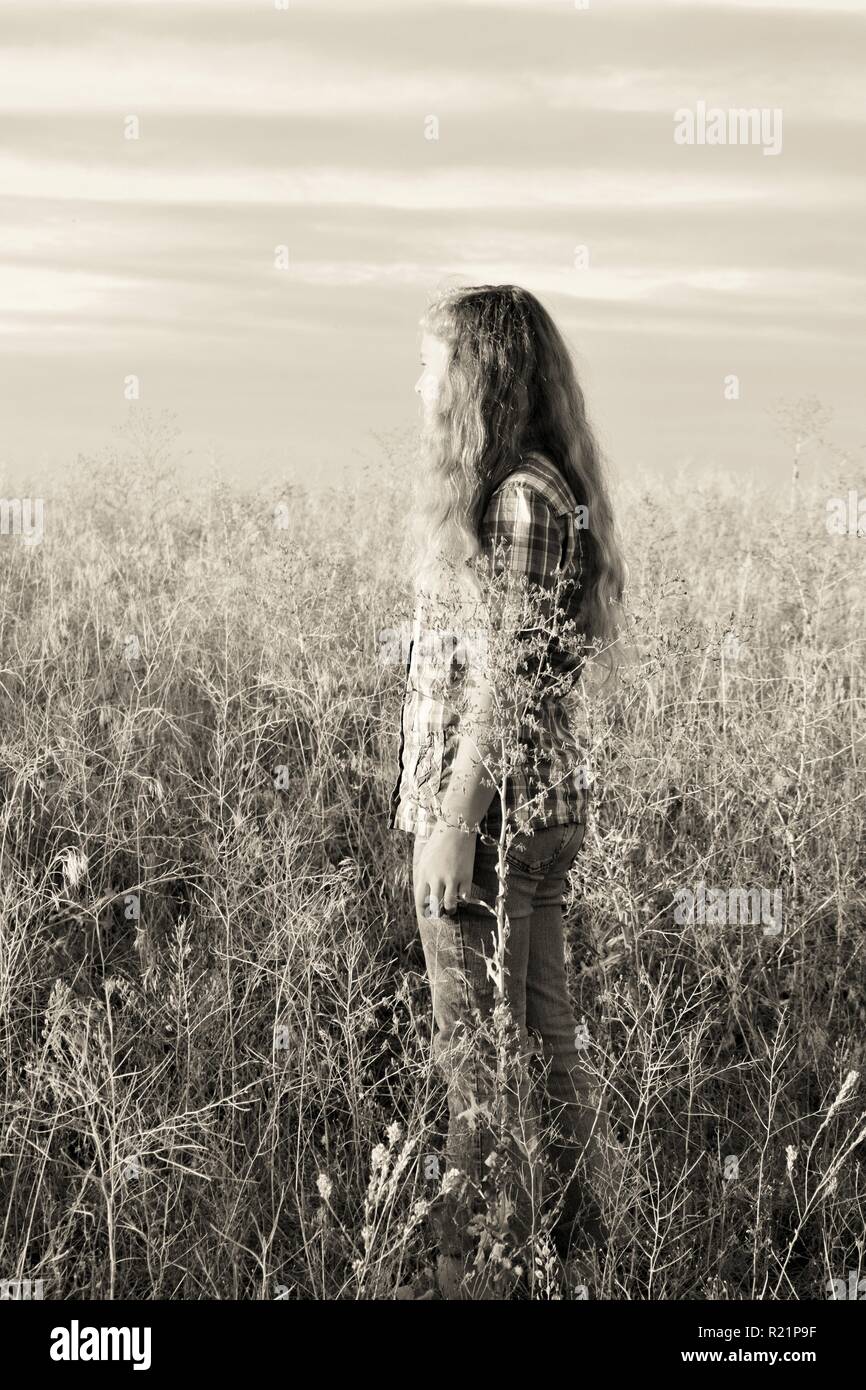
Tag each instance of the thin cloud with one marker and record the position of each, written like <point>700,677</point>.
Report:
<point>464,188</point>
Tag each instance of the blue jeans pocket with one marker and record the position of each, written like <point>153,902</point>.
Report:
<point>537,854</point>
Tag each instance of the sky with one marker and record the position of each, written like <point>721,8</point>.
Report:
<point>151,264</point>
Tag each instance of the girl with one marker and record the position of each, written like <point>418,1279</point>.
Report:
<point>512,489</point>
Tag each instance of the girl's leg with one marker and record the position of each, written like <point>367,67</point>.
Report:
<point>463,996</point>
<point>572,1106</point>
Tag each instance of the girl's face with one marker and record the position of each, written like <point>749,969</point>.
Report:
<point>434,364</point>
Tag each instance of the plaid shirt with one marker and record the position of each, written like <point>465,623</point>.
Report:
<point>532,516</point>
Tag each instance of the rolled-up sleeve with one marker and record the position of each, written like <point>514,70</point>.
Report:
<point>522,536</point>
<point>521,542</point>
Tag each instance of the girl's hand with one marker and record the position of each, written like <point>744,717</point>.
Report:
<point>444,872</point>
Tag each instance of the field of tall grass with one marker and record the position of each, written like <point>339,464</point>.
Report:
<point>215,1020</point>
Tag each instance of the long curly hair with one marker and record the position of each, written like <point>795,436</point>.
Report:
<point>510,388</point>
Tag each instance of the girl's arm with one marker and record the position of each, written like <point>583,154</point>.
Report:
<point>521,534</point>
<point>445,871</point>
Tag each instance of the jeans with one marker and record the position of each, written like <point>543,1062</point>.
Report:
<point>464,995</point>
